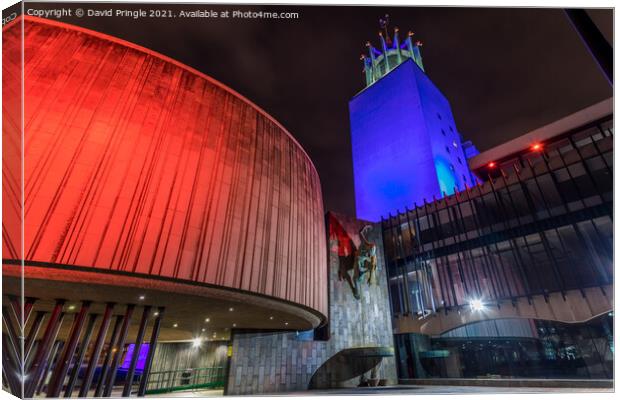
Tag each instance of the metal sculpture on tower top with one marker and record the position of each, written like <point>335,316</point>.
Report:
<point>392,52</point>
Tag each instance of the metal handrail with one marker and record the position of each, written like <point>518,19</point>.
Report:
<point>185,379</point>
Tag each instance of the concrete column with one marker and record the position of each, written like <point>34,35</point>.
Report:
<point>104,367</point>
<point>120,345</point>
<point>60,372</point>
<point>10,367</point>
<point>43,350</point>
<point>82,352</point>
<point>149,358</point>
<point>94,357</point>
<point>48,365</point>
<point>12,340</point>
<point>136,351</point>
<point>34,331</point>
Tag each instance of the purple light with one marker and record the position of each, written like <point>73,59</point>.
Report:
<point>144,351</point>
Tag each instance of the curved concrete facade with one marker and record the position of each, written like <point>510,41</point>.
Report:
<point>139,165</point>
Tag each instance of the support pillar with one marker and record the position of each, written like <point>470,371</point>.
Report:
<point>149,359</point>
<point>119,346</point>
<point>136,351</point>
<point>10,367</point>
<point>43,350</point>
<point>60,371</point>
<point>12,340</point>
<point>21,312</point>
<point>16,307</point>
<point>94,357</point>
<point>82,353</point>
<point>104,367</point>
<point>32,335</point>
<point>49,364</point>
<point>28,306</point>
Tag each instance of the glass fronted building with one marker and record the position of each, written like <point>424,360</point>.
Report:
<point>516,348</point>
<point>539,223</point>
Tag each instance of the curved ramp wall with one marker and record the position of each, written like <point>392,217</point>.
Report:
<point>138,164</point>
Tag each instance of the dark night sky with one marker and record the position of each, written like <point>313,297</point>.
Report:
<point>505,71</point>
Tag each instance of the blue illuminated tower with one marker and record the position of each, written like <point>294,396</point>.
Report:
<point>405,144</point>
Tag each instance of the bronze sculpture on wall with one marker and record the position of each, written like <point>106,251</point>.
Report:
<point>363,262</point>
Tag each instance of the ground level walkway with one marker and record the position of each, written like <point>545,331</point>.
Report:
<point>191,393</point>
<point>403,390</point>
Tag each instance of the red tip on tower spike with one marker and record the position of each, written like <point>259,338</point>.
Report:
<point>395,29</point>
<point>410,33</point>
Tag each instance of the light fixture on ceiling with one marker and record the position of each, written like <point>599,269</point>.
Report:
<point>477,305</point>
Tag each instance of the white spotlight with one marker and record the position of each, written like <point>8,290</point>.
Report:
<point>196,342</point>
<point>476,305</point>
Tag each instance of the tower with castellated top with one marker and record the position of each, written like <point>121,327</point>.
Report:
<point>405,144</point>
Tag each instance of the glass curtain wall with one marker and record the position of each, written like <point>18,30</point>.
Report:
<point>511,348</point>
<point>543,226</point>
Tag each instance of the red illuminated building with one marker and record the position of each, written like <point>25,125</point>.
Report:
<point>151,185</point>
<point>163,233</point>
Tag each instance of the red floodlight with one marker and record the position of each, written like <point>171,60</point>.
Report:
<point>537,147</point>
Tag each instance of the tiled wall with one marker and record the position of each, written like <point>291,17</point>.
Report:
<point>273,362</point>
<point>183,355</point>
<point>281,362</point>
